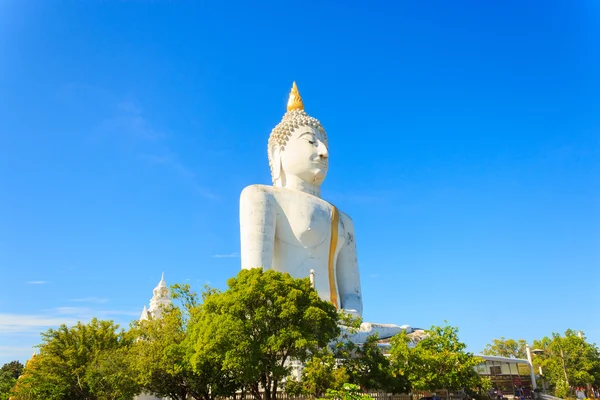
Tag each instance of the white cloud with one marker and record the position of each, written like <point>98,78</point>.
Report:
<point>16,352</point>
<point>94,300</point>
<point>37,282</point>
<point>230,255</point>
<point>75,311</point>
<point>118,312</point>
<point>131,123</point>
<point>16,323</point>
<point>21,324</point>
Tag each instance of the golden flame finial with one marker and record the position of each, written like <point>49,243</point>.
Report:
<point>295,101</point>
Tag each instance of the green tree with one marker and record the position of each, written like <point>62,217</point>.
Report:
<point>9,373</point>
<point>68,359</point>
<point>569,359</point>
<point>258,325</point>
<point>160,356</point>
<point>31,386</point>
<point>370,369</point>
<point>561,389</point>
<point>506,348</point>
<point>6,384</point>
<point>439,361</point>
<point>12,369</point>
<point>348,392</point>
<point>109,375</point>
<point>320,373</point>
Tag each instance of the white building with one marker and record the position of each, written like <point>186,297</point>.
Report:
<point>160,299</point>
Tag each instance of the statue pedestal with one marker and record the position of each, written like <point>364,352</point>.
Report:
<point>384,331</point>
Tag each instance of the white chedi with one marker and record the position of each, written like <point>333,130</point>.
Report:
<point>160,299</point>
<point>289,228</point>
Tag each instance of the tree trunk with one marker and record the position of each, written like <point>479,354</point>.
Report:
<point>562,357</point>
<point>274,391</point>
<point>267,390</point>
<point>255,392</point>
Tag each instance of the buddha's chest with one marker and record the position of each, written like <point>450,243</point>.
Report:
<point>304,224</point>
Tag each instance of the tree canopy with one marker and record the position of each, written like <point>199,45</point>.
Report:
<point>506,348</point>
<point>369,368</point>
<point>81,362</point>
<point>9,373</point>
<point>12,369</point>
<point>264,320</point>
<point>320,373</point>
<point>160,356</point>
<point>568,359</point>
<point>439,361</point>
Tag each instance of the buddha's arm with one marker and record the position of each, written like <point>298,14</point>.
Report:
<point>348,278</point>
<point>257,227</point>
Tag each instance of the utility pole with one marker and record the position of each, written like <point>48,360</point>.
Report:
<point>543,380</point>
<point>531,371</point>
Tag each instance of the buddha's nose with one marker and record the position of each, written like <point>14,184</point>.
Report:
<point>322,150</point>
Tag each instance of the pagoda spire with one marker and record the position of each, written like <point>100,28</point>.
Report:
<point>144,315</point>
<point>160,299</point>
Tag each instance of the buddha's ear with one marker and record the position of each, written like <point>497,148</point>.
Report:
<point>276,160</point>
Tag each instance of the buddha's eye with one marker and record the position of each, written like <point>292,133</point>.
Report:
<point>311,142</point>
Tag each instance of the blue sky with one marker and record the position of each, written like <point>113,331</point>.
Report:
<point>464,142</point>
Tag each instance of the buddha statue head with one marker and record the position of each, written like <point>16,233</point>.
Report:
<point>298,148</point>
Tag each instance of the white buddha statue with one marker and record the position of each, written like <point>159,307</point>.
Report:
<point>288,227</point>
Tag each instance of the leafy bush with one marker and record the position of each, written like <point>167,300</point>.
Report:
<point>347,392</point>
<point>562,389</point>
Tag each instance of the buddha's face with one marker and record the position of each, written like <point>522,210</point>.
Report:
<point>305,155</point>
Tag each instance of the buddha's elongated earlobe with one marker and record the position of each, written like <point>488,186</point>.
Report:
<point>275,153</point>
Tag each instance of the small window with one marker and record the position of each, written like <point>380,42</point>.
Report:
<point>495,370</point>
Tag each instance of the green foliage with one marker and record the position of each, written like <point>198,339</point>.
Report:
<point>74,363</point>
<point>13,369</point>
<point>439,361</point>
<point>347,392</point>
<point>263,320</point>
<point>370,369</point>
<point>506,348</point>
<point>568,359</point>
<point>160,356</point>
<point>8,377</point>
<point>485,384</point>
<point>109,377</point>
<point>561,390</point>
<point>319,374</point>
<point>6,384</point>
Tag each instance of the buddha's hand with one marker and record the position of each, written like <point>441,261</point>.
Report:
<point>352,312</point>
<point>352,305</point>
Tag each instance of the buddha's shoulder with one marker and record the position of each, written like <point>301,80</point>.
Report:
<point>346,221</point>
<point>345,217</point>
<point>256,192</point>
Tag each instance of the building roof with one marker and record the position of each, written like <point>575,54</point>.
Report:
<point>508,360</point>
